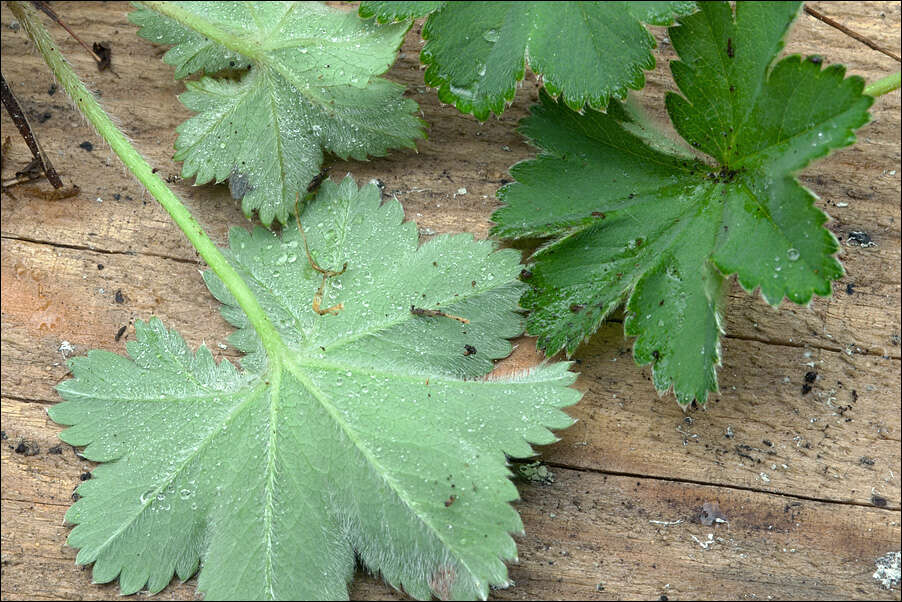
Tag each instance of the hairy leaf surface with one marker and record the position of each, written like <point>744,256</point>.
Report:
<point>588,52</point>
<point>307,85</point>
<point>632,219</point>
<point>371,431</point>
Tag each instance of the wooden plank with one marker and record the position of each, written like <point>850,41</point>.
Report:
<point>836,440</point>
<point>588,536</point>
<point>624,464</point>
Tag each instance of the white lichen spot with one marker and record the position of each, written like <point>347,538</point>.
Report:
<point>888,572</point>
<point>66,349</point>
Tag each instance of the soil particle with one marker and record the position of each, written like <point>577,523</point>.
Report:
<point>118,297</point>
<point>120,332</point>
<point>27,447</point>
<point>86,146</point>
<point>860,238</point>
<point>105,51</point>
<point>711,514</point>
<point>56,450</point>
<point>878,501</point>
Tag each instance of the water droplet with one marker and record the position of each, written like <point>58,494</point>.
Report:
<point>491,35</point>
<point>793,254</point>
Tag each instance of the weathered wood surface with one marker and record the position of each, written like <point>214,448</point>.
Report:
<point>810,483</point>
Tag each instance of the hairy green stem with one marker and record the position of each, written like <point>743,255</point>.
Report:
<point>883,86</point>
<point>92,110</point>
<point>242,46</point>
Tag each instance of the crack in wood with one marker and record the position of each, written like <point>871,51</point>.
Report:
<point>616,473</point>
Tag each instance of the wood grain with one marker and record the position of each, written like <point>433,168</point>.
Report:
<point>809,482</point>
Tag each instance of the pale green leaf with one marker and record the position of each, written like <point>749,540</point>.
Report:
<point>306,85</point>
<point>588,52</point>
<point>633,220</point>
<point>372,432</point>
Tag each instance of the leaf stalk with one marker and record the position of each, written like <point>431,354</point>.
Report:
<point>136,163</point>
<point>884,85</point>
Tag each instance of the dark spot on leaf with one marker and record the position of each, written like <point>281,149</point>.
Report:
<point>318,179</point>
<point>239,185</point>
<point>730,52</point>
<point>469,350</point>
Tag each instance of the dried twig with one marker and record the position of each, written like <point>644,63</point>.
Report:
<point>18,117</point>
<point>849,32</point>
<point>434,313</point>
<point>45,8</point>
<point>318,297</point>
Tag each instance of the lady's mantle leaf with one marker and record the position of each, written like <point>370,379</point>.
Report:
<point>633,221</point>
<point>312,87</point>
<point>370,432</point>
<point>587,51</point>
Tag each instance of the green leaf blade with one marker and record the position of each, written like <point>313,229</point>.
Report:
<point>476,51</point>
<point>312,88</point>
<point>372,431</point>
<point>389,12</point>
<point>631,218</point>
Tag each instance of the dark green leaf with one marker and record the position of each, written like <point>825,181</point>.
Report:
<point>632,219</point>
<point>588,52</point>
